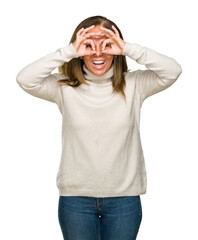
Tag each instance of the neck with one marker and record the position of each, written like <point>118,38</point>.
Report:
<point>105,78</point>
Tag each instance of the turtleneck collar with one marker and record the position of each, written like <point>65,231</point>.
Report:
<point>103,79</point>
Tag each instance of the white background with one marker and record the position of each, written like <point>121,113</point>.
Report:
<point>31,127</point>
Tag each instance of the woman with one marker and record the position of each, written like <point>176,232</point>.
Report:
<point>102,170</point>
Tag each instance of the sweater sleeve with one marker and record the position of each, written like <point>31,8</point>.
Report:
<point>162,71</point>
<point>36,78</point>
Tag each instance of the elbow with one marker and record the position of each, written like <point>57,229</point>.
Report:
<point>177,71</point>
<point>19,78</point>
<point>173,76</point>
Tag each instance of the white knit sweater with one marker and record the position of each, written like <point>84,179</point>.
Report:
<point>101,148</point>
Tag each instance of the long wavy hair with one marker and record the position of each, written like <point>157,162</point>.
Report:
<point>73,70</point>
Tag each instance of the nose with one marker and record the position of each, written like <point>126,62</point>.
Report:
<point>98,51</point>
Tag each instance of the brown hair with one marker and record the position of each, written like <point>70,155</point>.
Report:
<point>73,69</point>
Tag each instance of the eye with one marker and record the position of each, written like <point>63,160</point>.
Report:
<point>108,45</point>
<point>88,45</point>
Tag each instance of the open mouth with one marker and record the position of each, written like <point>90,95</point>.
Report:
<point>98,64</point>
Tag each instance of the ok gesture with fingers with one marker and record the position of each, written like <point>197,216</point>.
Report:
<point>116,44</point>
<point>82,42</point>
<point>84,45</point>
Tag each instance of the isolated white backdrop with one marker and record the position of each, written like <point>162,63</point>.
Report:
<point>31,127</point>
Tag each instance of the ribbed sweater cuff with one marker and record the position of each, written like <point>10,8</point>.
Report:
<point>132,50</point>
<point>68,52</point>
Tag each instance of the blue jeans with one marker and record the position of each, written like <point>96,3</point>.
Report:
<point>91,218</point>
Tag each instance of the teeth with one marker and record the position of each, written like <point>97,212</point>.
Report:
<point>98,62</point>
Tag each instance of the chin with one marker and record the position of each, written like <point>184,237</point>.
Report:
<point>99,72</point>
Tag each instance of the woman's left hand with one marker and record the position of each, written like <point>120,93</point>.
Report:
<point>116,43</point>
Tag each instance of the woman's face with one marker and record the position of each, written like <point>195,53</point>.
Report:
<point>98,68</point>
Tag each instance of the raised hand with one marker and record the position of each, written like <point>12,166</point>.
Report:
<point>82,43</point>
<point>114,42</point>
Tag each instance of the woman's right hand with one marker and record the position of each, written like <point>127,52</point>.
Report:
<point>82,43</point>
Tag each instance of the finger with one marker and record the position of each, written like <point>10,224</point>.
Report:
<point>78,35</point>
<point>107,51</point>
<point>108,31</point>
<point>89,42</point>
<point>90,52</point>
<point>116,31</point>
<point>106,35</point>
<point>97,35</point>
<point>80,31</point>
<point>87,29</point>
<point>92,44</point>
<point>107,41</point>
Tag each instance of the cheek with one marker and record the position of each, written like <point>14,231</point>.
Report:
<point>87,61</point>
<point>86,58</point>
<point>109,58</point>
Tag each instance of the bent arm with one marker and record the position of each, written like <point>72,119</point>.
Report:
<point>162,71</point>
<point>36,78</point>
